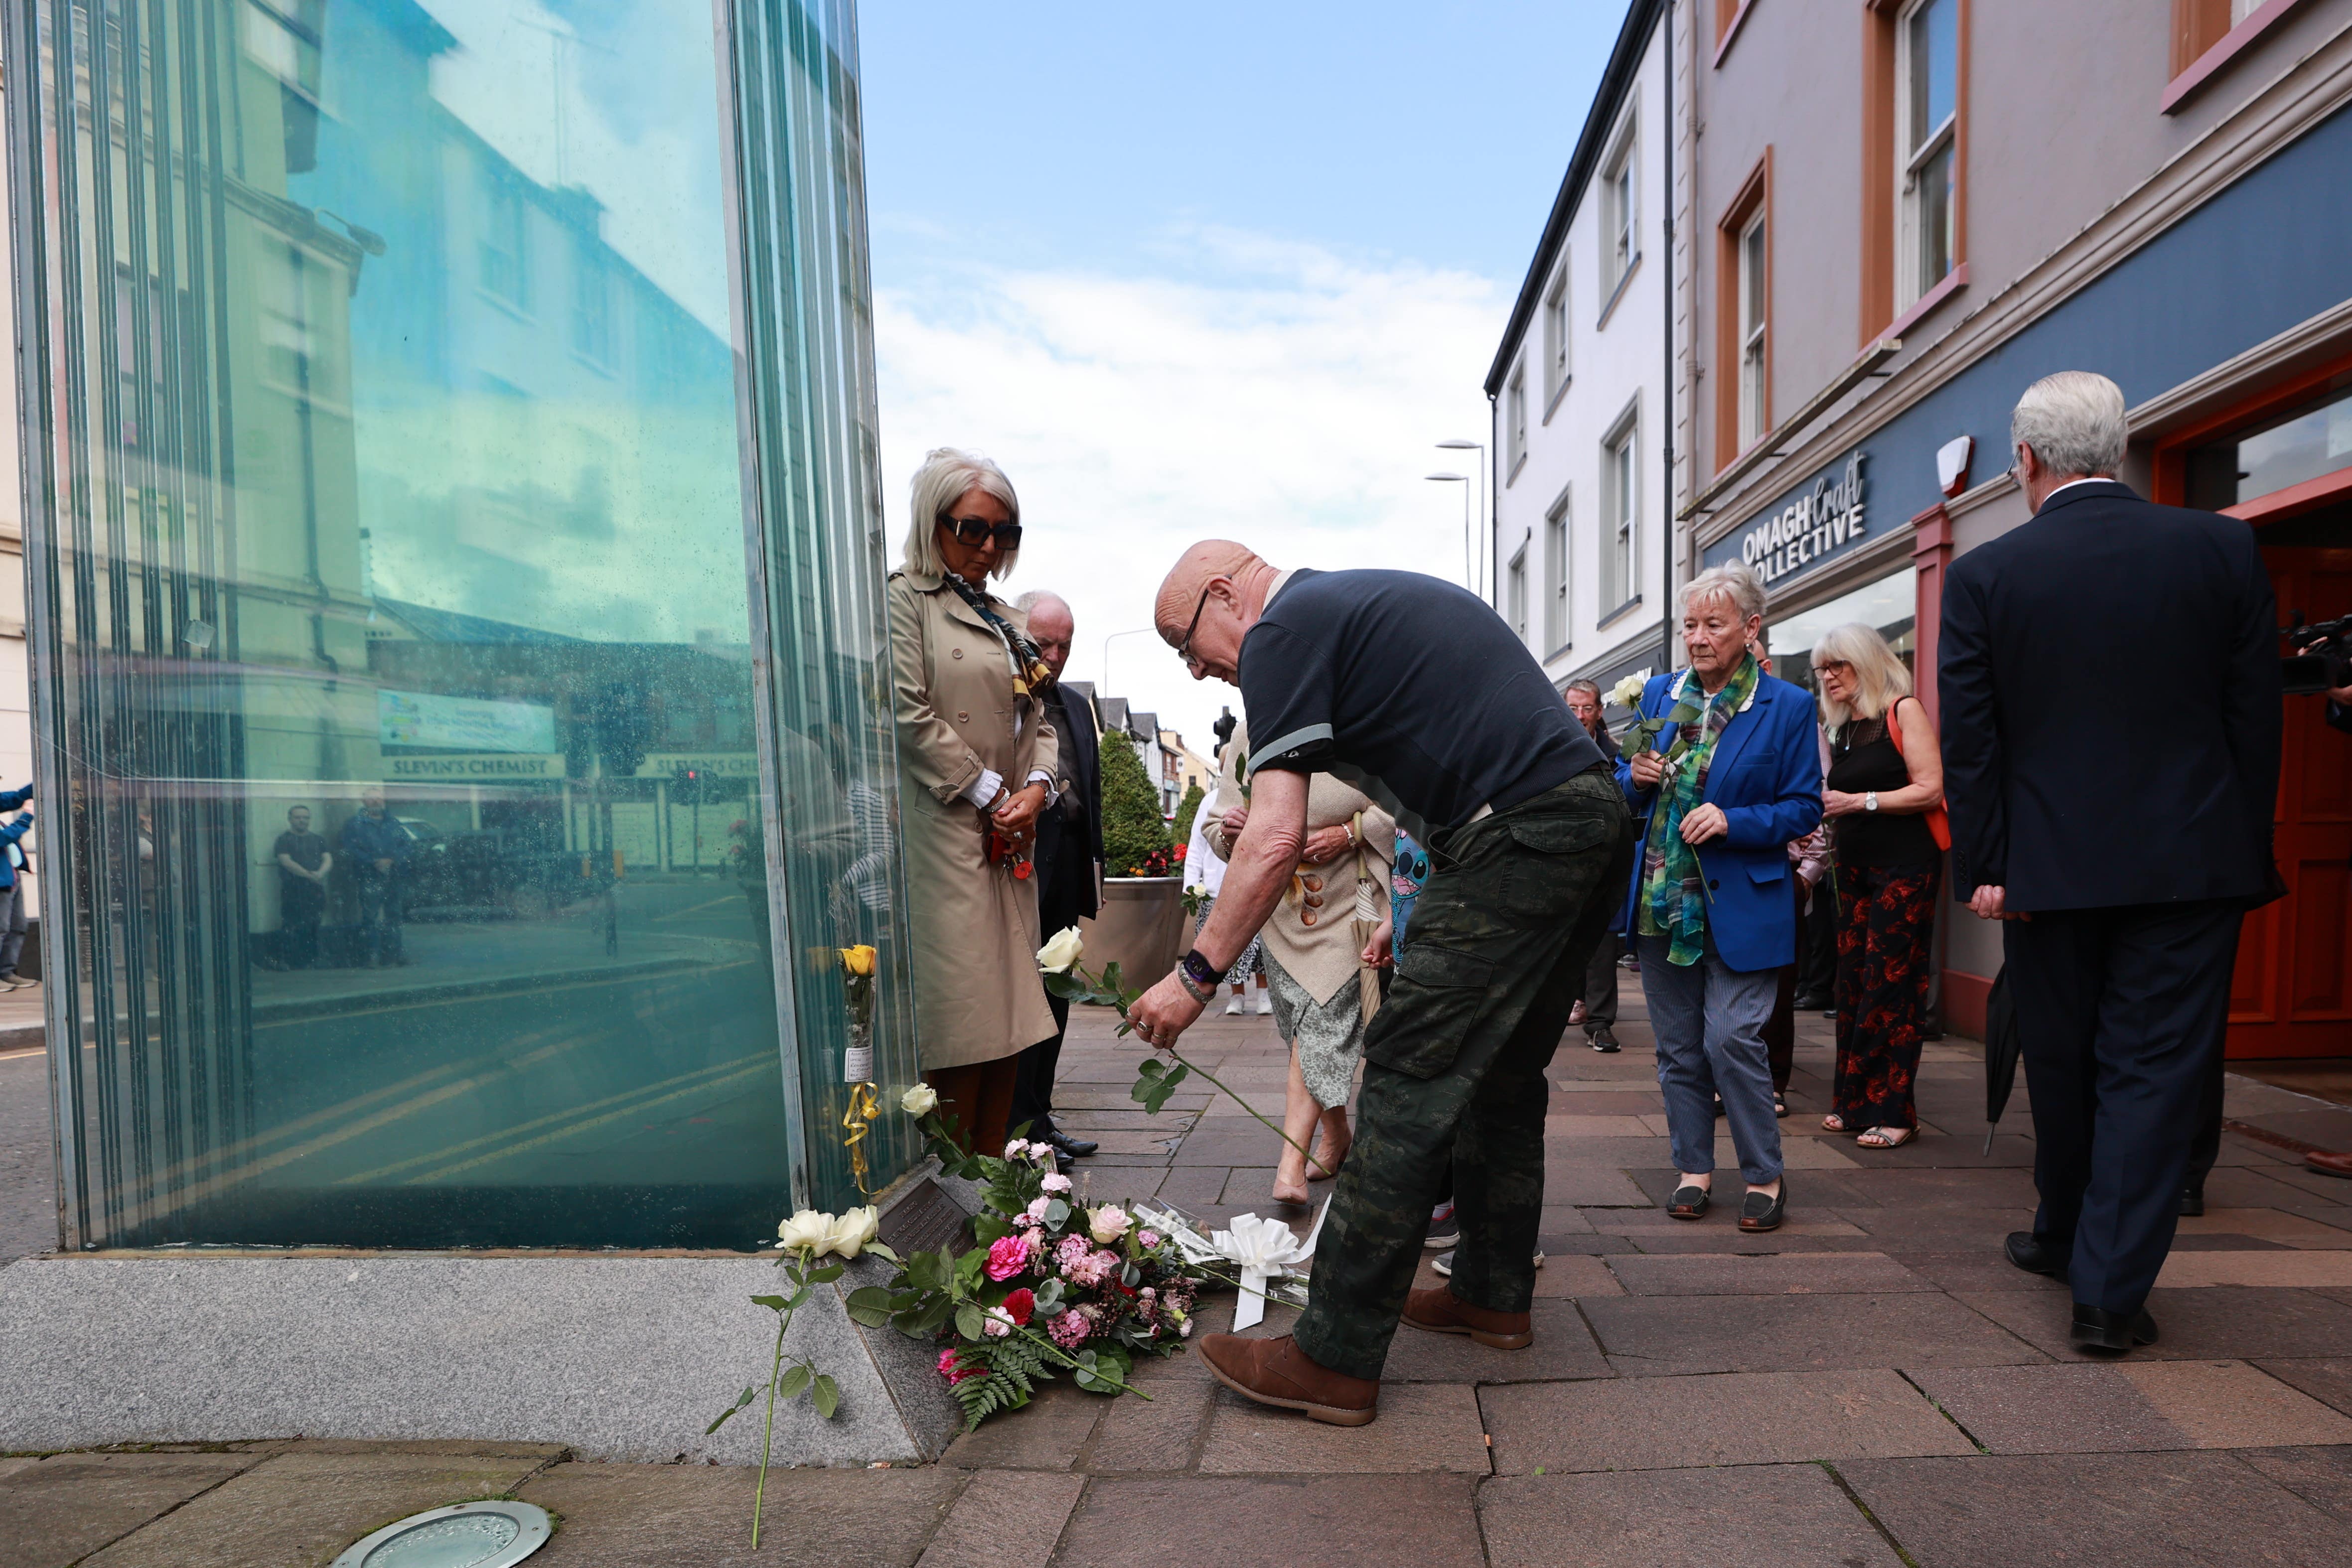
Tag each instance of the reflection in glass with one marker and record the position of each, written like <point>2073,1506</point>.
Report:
<point>1890,605</point>
<point>401,640</point>
<point>2305,445</point>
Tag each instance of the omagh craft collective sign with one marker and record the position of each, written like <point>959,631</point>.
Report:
<point>1824,520</point>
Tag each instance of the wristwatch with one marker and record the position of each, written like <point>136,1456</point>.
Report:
<point>1198,970</point>
<point>1869,801</point>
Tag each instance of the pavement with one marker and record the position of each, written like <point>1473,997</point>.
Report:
<point>1870,1385</point>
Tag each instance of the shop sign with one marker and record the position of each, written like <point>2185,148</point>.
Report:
<point>710,764</point>
<point>468,724</point>
<point>480,767</point>
<point>1819,523</point>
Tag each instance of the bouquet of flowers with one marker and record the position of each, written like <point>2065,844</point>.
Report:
<point>1048,1284</point>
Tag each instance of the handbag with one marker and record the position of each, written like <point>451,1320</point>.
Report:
<point>1939,821</point>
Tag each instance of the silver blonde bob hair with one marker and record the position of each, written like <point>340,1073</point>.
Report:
<point>947,472</point>
<point>1734,581</point>
<point>1880,681</point>
<point>2074,422</point>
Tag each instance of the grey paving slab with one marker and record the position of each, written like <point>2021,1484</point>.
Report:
<point>1980,1269</point>
<point>1742,1418</point>
<point>1005,1519</point>
<point>302,1509</point>
<point>1047,1434</point>
<point>1162,1433</point>
<point>2321,1476</point>
<point>668,1516</point>
<point>1669,1335</point>
<point>2051,1409</point>
<point>2210,1510</point>
<point>1421,1427</point>
<point>2326,1378</point>
<point>28,1206</point>
<point>1276,1522</point>
<point>1563,1348</point>
<point>1761,1516</point>
<point>57,1511</point>
<point>1590,1186</point>
<point>2197,1324</point>
<point>1790,1273</point>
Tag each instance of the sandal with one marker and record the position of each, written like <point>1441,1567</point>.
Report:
<point>1689,1202</point>
<point>1757,1212</point>
<point>1886,1137</point>
<point>1833,1122</point>
<point>1779,1105</point>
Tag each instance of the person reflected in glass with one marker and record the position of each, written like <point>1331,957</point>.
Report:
<point>976,761</point>
<point>1887,775</point>
<point>1729,778</point>
<point>375,846</point>
<point>304,863</point>
<point>13,894</point>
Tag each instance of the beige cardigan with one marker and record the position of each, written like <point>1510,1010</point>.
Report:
<point>1322,957</point>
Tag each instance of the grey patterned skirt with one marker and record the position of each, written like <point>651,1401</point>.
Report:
<point>1247,963</point>
<point>1329,1036</point>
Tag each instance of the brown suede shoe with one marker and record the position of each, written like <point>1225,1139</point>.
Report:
<point>1276,1372</point>
<point>1440,1310</point>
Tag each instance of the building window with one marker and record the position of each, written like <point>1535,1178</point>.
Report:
<point>2309,442</point>
<point>592,304</point>
<point>1743,313</point>
<point>1620,214</point>
<point>1621,531</point>
<point>2199,24</point>
<point>1515,593</point>
<point>1515,422</point>
<point>1752,312</point>
<point>1555,337</point>
<point>504,255</point>
<point>1928,125</point>
<point>1556,578</point>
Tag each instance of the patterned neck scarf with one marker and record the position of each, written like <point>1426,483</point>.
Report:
<point>1673,886</point>
<point>1030,671</point>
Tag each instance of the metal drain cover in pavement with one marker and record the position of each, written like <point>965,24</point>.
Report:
<point>471,1535</point>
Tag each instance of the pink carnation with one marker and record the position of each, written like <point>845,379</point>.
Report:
<point>1007,1256</point>
<point>1150,1238</point>
<point>955,1372</point>
<point>1070,1330</point>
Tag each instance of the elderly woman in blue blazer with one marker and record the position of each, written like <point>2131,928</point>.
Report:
<point>1731,775</point>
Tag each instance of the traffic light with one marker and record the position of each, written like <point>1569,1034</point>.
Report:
<point>686,786</point>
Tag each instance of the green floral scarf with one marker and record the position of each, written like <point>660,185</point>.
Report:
<point>1674,884</point>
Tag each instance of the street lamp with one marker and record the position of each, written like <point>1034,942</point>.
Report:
<point>1469,573</point>
<point>1485,531</point>
<point>1115,636</point>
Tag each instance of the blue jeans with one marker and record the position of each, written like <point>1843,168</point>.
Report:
<point>1709,1020</point>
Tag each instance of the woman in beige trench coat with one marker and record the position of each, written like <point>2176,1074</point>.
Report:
<point>1312,957</point>
<point>976,762</point>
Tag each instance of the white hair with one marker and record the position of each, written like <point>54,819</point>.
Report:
<point>1734,579</point>
<point>1880,681</point>
<point>1029,601</point>
<point>2074,422</point>
<point>947,474</point>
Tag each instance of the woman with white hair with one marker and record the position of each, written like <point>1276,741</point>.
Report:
<point>976,765</point>
<point>1885,800</point>
<point>1729,775</point>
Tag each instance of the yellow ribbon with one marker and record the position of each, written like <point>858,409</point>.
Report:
<point>863,1109</point>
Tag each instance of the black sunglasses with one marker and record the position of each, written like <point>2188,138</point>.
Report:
<point>975,531</point>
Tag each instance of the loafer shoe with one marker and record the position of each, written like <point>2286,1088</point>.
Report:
<point>1276,1372</point>
<point>1758,1213</point>
<point>1688,1203</point>
<point>2096,1328</point>
<point>2035,1256</point>
<point>1438,1310</point>
<point>1076,1149</point>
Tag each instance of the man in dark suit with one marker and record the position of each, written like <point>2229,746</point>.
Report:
<point>1068,858</point>
<point>2111,722</point>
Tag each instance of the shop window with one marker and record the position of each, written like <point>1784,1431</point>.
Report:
<point>1514,417</point>
<point>1890,606</point>
<point>1555,337</point>
<point>1621,531</point>
<point>1620,214</point>
<point>1556,578</point>
<point>1743,336</point>
<point>1515,593</point>
<point>2311,443</point>
<point>1914,160</point>
<point>504,248</point>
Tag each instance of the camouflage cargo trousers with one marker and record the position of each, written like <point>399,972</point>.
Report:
<point>1455,1061</point>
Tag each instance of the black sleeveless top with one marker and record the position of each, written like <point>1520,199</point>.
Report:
<point>1862,759</point>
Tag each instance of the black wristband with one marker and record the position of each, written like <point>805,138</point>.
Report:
<point>1199,968</point>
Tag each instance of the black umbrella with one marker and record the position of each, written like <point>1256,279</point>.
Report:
<point>2001,1046</point>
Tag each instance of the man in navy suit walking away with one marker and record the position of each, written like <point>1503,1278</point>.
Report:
<point>2111,717</point>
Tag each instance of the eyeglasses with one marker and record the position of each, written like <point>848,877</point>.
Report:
<point>976,531</point>
<point>1184,649</point>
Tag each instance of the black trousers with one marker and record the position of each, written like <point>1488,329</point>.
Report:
<point>2121,1014</point>
<point>1033,1074</point>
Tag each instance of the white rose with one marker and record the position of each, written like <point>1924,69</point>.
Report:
<point>1108,1223</point>
<point>849,1234</point>
<point>1627,691</point>
<point>1056,1182</point>
<point>920,1100</point>
<point>1016,1149</point>
<point>1060,955</point>
<point>808,1229</point>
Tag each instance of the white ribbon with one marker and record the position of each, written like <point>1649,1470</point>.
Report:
<point>1264,1250</point>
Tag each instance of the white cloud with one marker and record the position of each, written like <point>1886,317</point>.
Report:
<point>1272,393</point>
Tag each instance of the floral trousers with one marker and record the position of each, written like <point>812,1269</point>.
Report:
<point>1886,922</point>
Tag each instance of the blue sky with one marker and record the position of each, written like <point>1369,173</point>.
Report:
<point>1215,269</point>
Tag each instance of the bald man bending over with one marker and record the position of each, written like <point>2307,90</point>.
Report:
<point>1415,692</point>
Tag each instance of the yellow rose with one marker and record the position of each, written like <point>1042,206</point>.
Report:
<point>849,1234</point>
<point>920,1100</point>
<point>858,960</point>
<point>1059,955</point>
<point>806,1231</point>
